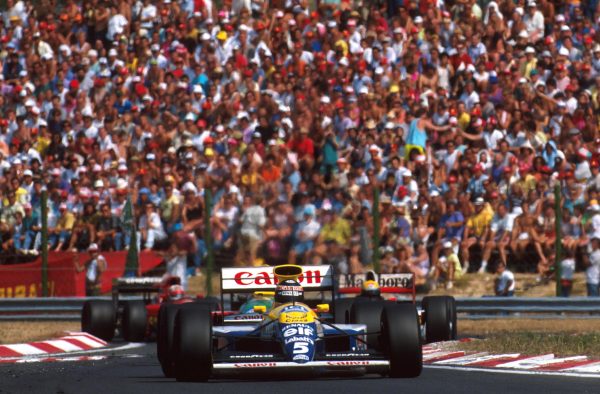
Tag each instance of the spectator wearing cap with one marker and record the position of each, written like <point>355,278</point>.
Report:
<point>84,229</point>
<point>525,233</point>
<point>475,187</point>
<point>476,230</point>
<point>335,229</point>
<point>498,237</point>
<point>253,220</point>
<point>447,266</point>
<point>534,22</point>
<point>60,235</point>
<point>107,229</point>
<point>31,239</point>
<point>305,236</point>
<point>170,206</point>
<point>94,269</point>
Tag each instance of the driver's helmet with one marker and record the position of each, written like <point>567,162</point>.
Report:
<point>248,306</point>
<point>289,291</point>
<point>176,292</point>
<point>370,288</point>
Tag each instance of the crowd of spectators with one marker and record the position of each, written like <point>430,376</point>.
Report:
<point>462,116</point>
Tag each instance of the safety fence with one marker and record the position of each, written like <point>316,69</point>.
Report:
<point>69,309</point>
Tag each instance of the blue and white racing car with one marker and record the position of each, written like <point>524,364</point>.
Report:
<point>298,333</point>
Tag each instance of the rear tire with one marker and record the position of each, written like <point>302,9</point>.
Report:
<point>440,318</point>
<point>368,312</point>
<point>164,337</point>
<point>98,319</point>
<point>451,306</point>
<point>341,308</point>
<point>134,321</point>
<point>212,303</point>
<point>401,340</point>
<point>192,344</point>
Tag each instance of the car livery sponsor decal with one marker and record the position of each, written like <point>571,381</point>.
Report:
<point>334,355</point>
<point>246,356</point>
<point>403,281</point>
<point>254,365</point>
<point>245,317</point>
<point>347,363</point>
<point>294,308</point>
<point>262,278</point>
<point>296,317</point>
<point>299,340</point>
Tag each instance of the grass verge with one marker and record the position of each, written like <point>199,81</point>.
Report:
<point>19,332</point>
<point>533,337</point>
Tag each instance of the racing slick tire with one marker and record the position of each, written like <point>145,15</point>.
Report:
<point>192,344</point>
<point>368,312</point>
<point>440,318</point>
<point>134,320</point>
<point>341,310</point>
<point>401,340</point>
<point>164,337</point>
<point>98,319</point>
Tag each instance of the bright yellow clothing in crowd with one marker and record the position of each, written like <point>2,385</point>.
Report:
<point>339,231</point>
<point>479,222</point>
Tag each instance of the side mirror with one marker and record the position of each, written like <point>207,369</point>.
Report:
<point>260,309</point>
<point>323,308</point>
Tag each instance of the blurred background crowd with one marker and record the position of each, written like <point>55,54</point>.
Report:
<point>444,126</point>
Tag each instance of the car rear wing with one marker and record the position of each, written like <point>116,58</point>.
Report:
<point>388,283</point>
<point>145,286</point>
<point>251,279</point>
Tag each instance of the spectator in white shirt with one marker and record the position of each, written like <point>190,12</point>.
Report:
<point>505,282</point>
<point>151,227</point>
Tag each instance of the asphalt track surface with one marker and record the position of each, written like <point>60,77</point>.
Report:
<point>137,371</point>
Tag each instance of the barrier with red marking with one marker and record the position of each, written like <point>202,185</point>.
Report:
<point>25,280</point>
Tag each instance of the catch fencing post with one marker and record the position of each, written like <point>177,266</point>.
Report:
<point>376,226</point>
<point>132,262</point>
<point>208,239</point>
<point>558,242</point>
<point>44,206</point>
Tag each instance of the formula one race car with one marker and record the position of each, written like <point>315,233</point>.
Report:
<point>298,333</point>
<point>437,314</point>
<point>135,319</point>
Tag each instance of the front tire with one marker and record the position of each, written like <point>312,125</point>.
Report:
<point>192,344</point>
<point>341,309</point>
<point>98,319</point>
<point>368,312</point>
<point>134,321</point>
<point>401,340</point>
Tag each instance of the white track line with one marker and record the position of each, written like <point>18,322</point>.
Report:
<point>514,371</point>
<point>467,359</point>
<point>590,368</point>
<point>526,363</point>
